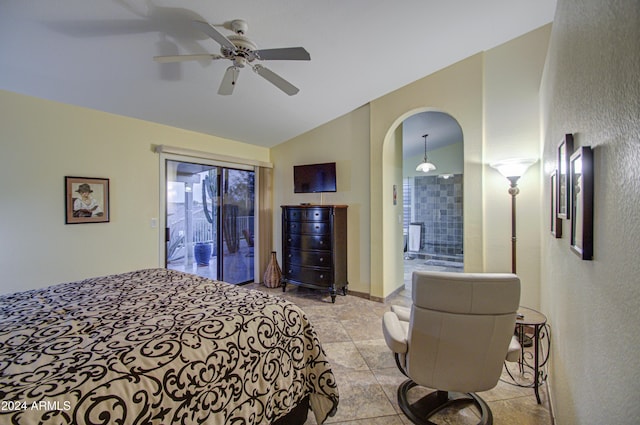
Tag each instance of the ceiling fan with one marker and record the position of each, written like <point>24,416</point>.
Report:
<point>241,51</point>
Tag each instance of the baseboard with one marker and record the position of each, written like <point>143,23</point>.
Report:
<point>359,294</point>
<point>550,401</point>
<point>374,298</point>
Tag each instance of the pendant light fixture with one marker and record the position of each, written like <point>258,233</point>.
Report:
<point>425,166</point>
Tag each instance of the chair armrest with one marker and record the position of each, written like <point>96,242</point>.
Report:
<point>395,334</point>
<point>403,313</point>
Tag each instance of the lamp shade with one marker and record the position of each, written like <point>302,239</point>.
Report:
<point>425,167</point>
<point>513,167</point>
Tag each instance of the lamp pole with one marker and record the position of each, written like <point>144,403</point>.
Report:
<point>513,169</point>
<point>513,191</point>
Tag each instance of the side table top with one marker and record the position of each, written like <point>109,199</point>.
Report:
<point>531,317</point>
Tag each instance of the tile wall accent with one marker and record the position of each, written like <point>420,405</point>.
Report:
<point>437,203</point>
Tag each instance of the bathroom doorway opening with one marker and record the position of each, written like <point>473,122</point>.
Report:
<point>433,201</point>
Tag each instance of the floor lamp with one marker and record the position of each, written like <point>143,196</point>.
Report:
<point>513,169</point>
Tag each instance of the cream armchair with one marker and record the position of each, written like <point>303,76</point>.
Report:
<point>454,338</point>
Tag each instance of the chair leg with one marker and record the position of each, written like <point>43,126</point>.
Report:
<point>420,411</point>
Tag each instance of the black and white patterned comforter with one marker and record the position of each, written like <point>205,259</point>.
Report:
<point>157,347</point>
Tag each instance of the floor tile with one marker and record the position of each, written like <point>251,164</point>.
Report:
<point>376,353</point>
<point>344,357</point>
<point>361,397</point>
<point>350,331</point>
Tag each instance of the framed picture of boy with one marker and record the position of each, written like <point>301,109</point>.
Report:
<point>86,200</point>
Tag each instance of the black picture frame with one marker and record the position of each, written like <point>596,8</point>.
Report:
<point>93,207</point>
<point>581,177</point>
<point>565,149</point>
<point>555,221</point>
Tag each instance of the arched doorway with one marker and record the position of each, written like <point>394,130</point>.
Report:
<point>433,200</point>
<point>387,209</point>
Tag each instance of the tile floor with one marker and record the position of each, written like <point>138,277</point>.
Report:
<point>351,334</point>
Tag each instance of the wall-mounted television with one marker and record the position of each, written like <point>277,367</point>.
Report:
<point>313,178</point>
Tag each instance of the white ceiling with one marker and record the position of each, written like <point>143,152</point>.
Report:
<point>98,54</point>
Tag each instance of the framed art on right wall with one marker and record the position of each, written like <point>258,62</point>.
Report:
<point>581,179</point>
<point>565,149</point>
<point>556,222</point>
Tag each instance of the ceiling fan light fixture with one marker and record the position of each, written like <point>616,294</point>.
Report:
<point>242,52</point>
<point>425,166</point>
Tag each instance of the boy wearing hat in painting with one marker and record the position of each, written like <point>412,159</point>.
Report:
<point>86,205</point>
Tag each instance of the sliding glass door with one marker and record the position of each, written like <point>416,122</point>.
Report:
<point>210,220</point>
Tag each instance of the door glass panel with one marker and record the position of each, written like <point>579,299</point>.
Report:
<point>191,245</point>
<point>238,198</point>
<point>210,221</point>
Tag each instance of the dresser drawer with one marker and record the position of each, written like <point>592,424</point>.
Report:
<point>294,214</point>
<point>317,214</point>
<point>308,242</point>
<point>308,228</point>
<point>308,258</point>
<point>307,275</point>
<point>307,214</point>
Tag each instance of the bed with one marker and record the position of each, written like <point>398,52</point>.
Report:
<point>158,346</point>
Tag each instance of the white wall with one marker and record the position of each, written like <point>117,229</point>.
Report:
<point>591,88</point>
<point>44,141</point>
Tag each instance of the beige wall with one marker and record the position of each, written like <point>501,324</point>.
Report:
<point>345,141</point>
<point>364,143</point>
<point>591,89</point>
<point>470,96</point>
<point>43,141</point>
<point>512,130</point>
<point>392,247</point>
<point>456,90</point>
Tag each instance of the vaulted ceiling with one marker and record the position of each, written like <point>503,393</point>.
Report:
<point>100,55</point>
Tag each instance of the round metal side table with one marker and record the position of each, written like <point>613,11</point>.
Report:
<point>532,362</point>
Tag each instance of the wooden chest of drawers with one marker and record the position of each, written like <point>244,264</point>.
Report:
<point>314,247</point>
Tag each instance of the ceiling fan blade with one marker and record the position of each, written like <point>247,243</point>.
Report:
<point>206,28</point>
<point>229,81</point>
<point>287,53</point>
<point>182,58</point>
<point>276,80</point>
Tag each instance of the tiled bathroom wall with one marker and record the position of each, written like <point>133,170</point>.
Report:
<point>437,204</point>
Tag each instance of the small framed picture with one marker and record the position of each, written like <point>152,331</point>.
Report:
<point>565,149</point>
<point>86,200</point>
<point>556,222</point>
<point>581,170</point>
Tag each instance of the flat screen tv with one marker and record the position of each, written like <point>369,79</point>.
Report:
<point>313,178</point>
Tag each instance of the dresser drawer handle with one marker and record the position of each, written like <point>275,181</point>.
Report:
<point>322,260</point>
